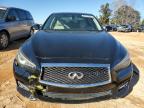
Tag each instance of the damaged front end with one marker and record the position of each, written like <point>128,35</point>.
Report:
<point>27,82</point>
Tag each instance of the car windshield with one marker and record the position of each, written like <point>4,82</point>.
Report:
<point>2,13</point>
<point>72,22</point>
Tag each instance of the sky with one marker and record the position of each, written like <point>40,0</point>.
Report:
<point>41,9</point>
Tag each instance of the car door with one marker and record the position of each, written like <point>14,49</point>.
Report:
<point>22,22</point>
<point>13,26</point>
<point>30,21</point>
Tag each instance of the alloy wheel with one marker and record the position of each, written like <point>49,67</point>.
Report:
<point>4,40</point>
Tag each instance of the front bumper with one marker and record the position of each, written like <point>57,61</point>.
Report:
<point>77,96</point>
<point>119,80</point>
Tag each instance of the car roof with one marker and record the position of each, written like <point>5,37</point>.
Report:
<point>71,13</point>
<point>4,7</point>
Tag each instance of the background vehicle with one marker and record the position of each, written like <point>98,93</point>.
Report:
<point>110,27</point>
<point>142,28</point>
<point>14,24</point>
<point>66,59</point>
<point>114,27</point>
<point>124,28</point>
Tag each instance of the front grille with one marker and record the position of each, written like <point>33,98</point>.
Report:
<point>93,75</point>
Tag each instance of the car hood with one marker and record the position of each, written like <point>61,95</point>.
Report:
<point>97,47</point>
<point>1,21</point>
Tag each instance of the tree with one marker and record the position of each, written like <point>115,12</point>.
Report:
<point>126,15</point>
<point>142,23</point>
<point>105,14</point>
<point>117,4</point>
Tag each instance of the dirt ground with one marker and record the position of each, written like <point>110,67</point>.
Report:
<point>10,98</point>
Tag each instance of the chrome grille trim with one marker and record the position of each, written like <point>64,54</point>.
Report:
<point>74,65</point>
<point>78,96</point>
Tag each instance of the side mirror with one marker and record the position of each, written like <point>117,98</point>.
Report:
<point>36,27</point>
<point>11,18</point>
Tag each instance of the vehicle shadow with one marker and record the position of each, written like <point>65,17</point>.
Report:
<point>14,45</point>
<point>121,94</point>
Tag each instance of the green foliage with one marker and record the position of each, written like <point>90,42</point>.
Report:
<point>142,23</point>
<point>105,14</point>
<point>136,26</point>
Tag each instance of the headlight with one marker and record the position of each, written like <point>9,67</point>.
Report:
<point>24,61</point>
<point>125,62</point>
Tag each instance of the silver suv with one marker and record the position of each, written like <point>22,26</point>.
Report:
<point>14,24</point>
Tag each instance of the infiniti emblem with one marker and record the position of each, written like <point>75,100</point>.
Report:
<point>75,75</point>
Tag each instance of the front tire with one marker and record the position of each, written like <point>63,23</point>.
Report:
<point>4,40</point>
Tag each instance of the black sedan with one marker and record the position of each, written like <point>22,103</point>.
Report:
<point>72,58</point>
